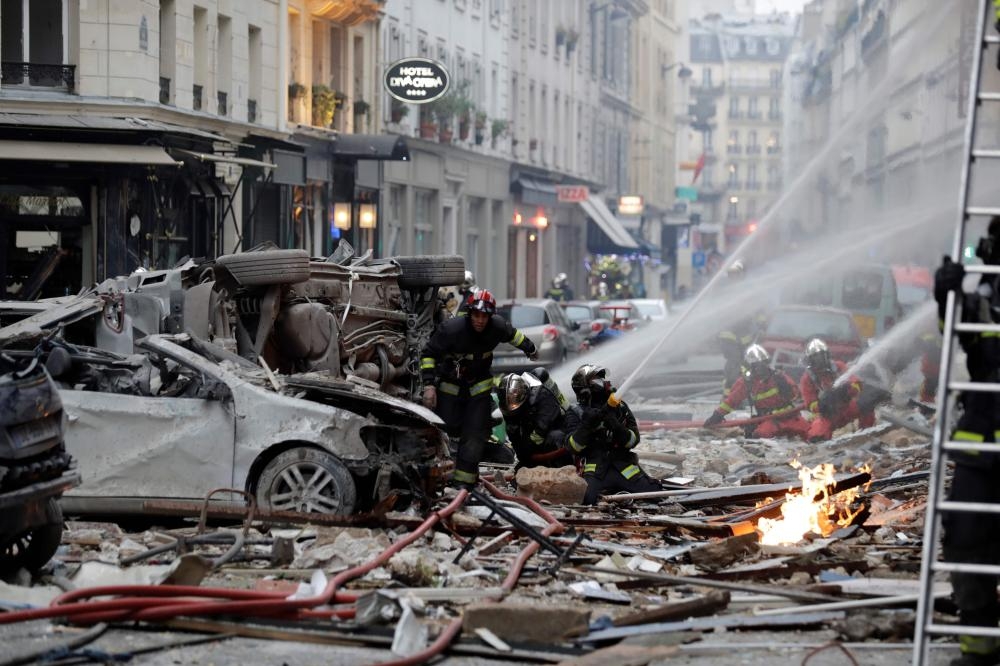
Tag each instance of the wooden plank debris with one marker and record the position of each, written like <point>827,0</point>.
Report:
<point>794,620</point>
<point>709,604</point>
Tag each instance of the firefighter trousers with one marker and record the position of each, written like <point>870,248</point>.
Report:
<point>609,480</point>
<point>974,538</point>
<point>822,427</point>
<point>467,418</point>
<point>792,425</point>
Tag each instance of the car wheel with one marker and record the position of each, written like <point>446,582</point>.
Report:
<point>437,270</point>
<point>34,547</point>
<point>267,267</point>
<point>306,480</point>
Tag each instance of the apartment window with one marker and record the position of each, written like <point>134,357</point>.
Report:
<point>703,45</point>
<point>706,77</point>
<point>256,52</point>
<point>224,53</point>
<point>734,210</point>
<point>775,78</point>
<point>752,110</point>
<point>734,175</point>
<point>773,145</point>
<point>750,44</point>
<point>774,109</point>
<point>773,178</point>
<point>751,177</point>
<point>32,44</point>
<point>752,146</point>
<point>751,208</point>
<point>423,223</point>
<point>773,46</point>
<point>734,107</point>
<point>515,18</point>
<point>200,57</point>
<point>733,145</point>
<point>168,53</point>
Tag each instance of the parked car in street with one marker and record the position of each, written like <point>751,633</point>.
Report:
<point>185,416</point>
<point>545,322</point>
<point>652,309</point>
<point>790,328</point>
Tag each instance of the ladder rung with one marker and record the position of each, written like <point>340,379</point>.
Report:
<point>982,210</point>
<point>956,629</point>
<point>984,269</point>
<point>992,39</point>
<point>969,507</point>
<point>966,567</point>
<point>987,153</point>
<point>975,387</point>
<point>985,447</point>
<point>977,328</point>
<point>989,97</point>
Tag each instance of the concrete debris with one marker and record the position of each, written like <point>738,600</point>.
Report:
<point>554,485</point>
<point>533,623</point>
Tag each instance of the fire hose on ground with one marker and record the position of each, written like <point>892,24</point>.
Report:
<point>162,602</point>
<point>735,423</point>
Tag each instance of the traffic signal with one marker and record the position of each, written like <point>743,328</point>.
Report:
<point>701,112</point>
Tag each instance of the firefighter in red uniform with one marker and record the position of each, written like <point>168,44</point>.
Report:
<point>770,393</point>
<point>455,369</point>
<point>833,406</point>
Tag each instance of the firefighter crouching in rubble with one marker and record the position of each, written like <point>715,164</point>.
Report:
<point>971,537</point>
<point>538,418</point>
<point>605,438</point>
<point>458,384</point>
<point>832,406</point>
<point>770,392</point>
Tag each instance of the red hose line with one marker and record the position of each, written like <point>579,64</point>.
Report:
<point>268,606</point>
<point>437,647</point>
<point>683,425</point>
<point>152,606</point>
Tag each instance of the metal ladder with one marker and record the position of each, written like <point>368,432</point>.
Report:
<point>926,628</point>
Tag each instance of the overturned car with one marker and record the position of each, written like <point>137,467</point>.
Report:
<point>291,377</point>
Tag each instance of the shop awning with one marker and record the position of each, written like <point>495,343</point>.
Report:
<point>371,147</point>
<point>102,153</point>
<point>596,209</point>
<point>228,159</point>
<point>535,191</point>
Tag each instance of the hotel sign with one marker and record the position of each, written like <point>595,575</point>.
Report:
<point>416,80</point>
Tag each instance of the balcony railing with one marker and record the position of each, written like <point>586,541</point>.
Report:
<point>35,75</point>
<point>753,150</point>
<point>164,90</point>
<point>734,149</point>
<point>735,115</point>
<point>251,110</point>
<point>738,84</point>
<point>223,102</point>
<point>774,115</point>
<point>753,115</point>
<point>774,150</point>
<point>708,90</point>
<point>196,97</point>
<point>753,185</point>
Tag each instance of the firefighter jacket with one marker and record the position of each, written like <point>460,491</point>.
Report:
<point>741,334</point>
<point>607,442</point>
<point>458,357</point>
<point>775,395</point>
<point>559,295</point>
<point>539,430</point>
<point>813,385</point>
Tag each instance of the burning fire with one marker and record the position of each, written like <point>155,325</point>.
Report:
<point>801,514</point>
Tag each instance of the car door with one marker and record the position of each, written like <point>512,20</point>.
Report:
<point>558,318</point>
<point>146,446</point>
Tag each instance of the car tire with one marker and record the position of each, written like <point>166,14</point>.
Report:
<point>286,483</point>
<point>267,267</point>
<point>436,270</point>
<point>34,547</point>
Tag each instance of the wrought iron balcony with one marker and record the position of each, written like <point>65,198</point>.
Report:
<point>164,90</point>
<point>251,110</point>
<point>707,89</point>
<point>223,102</point>
<point>35,75</point>
<point>753,149</point>
<point>196,97</point>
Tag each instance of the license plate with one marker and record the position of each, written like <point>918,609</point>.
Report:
<point>32,432</point>
<point>866,325</point>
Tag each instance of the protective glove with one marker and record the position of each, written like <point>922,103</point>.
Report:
<point>715,419</point>
<point>620,435</point>
<point>533,356</point>
<point>948,278</point>
<point>592,417</point>
<point>828,403</point>
<point>430,397</point>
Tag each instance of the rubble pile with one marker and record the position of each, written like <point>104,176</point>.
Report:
<point>506,577</point>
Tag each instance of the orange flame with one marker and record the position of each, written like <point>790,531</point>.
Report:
<point>801,514</point>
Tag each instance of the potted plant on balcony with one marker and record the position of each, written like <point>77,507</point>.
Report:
<point>324,106</point>
<point>463,108</point>
<point>398,111</point>
<point>497,129</point>
<point>428,122</point>
<point>296,90</point>
<point>361,109</point>
<point>480,127</point>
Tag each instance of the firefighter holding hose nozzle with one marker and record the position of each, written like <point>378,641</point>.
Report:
<point>606,437</point>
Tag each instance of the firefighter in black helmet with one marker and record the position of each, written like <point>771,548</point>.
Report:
<point>605,438</point>
<point>455,369</point>
<point>538,426</point>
